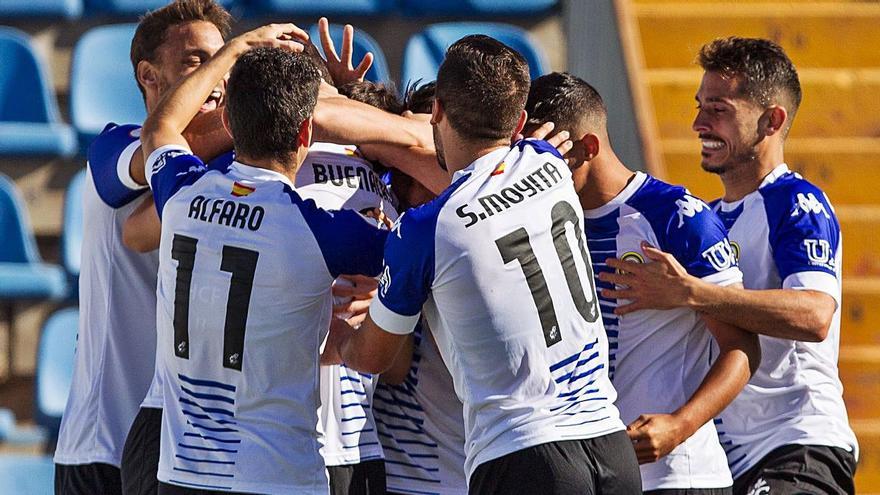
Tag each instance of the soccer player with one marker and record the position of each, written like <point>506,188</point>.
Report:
<point>114,363</point>
<point>671,383</point>
<point>787,432</point>
<point>499,262</point>
<point>245,268</point>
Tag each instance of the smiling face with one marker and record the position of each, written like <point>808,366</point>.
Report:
<point>185,48</point>
<point>728,124</point>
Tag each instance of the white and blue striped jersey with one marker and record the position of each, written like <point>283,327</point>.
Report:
<point>117,302</point>
<point>337,178</point>
<point>659,358</point>
<point>499,261</point>
<point>787,236</point>
<point>421,425</point>
<point>245,268</point>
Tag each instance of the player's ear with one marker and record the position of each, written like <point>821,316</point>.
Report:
<point>773,120</point>
<point>523,117</point>
<point>304,137</point>
<point>437,114</point>
<point>591,146</point>
<point>147,75</point>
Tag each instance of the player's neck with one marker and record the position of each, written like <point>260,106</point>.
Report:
<point>746,178</point>
<point>461,154</point>
<point>606,178</point>
<point>287,168</point>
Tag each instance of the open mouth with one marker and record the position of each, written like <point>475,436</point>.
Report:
<point>711,145</point>
<point>213,101</point>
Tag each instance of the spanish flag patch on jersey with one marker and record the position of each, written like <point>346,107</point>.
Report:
<point>239,189</point>
<point>499,169</point>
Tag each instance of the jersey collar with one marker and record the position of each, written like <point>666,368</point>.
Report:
<point>774,174</point>
<point>621,198</point>
<point>259,174</point>
<point>489,160</point>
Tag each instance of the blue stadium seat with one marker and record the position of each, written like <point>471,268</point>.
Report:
<point>335,7</point>
<point>69,9</point>
<point>425,50</point>
<point>23,275</point>
<point>29,123</point>
<point>133,7</point>
<point>466,7</point>
<point>363,43</point>
<point>55,363</point>
<point>102,84</point>
<point>72,231</point>
<point>27,475</point>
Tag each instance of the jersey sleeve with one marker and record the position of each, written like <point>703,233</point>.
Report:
<point>349,244</point>
<point>170,168</point>
<point>698,240</point>
<point>804,240</point>
<point>109,159</point>
<point>407,274</point>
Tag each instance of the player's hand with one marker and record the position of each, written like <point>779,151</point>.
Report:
<point>361,292</point>
<point>339,65</point>
<point>560,140</point>
<point>287,36</point>
<point>664,284</point>
<point>655,435</point>
<point>340,331</point>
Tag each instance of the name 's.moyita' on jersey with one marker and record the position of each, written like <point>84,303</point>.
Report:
<point>226,212</point>
<point>542,179</point>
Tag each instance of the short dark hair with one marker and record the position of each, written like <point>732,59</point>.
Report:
<point>483,85</point>
<point>766,74</point>
<point>380,95</point>
<point>270,93</point>
<point>419,97</point>
<point>153,26</point>
<point>312,52</point>
<point>568,101</point>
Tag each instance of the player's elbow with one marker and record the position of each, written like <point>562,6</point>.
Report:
<point>817,321</point>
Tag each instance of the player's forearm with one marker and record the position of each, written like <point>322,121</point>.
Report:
<point>722,384</point>
<point>344,121</point>
<point>142,229</point>
<point>396,374</point>
<point>416,162</point>
<point>784,313</point>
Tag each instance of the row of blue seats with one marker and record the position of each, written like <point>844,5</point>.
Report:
<point>102,87</point>
<point>74,8</point>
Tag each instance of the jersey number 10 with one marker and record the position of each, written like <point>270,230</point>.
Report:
<point>241,263</point>
<point>517,246</point>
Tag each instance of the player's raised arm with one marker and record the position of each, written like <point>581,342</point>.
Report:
<point>166,123</point>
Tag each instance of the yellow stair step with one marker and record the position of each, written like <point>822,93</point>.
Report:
<point>859,368</point>
<point>854,93</point>
<point>842,167</point>
<point>814,34</point>
<point>859,318</point>
<point>868,471</point>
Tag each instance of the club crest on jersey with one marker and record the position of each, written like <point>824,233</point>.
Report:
<point>239,189</point>
<point>809,204</point>
<point>499,169</point>
<point>632,257</point>
<point>720,255</point>
<point>819,253</point>
<point>689,206</point>
<point>737,251</point>
<point>385,281</point>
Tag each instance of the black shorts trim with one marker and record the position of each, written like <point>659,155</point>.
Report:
<point>364,478</point>
<point>796,469</point>
<point>140,456</point>
<point>87,479</point>
<point>604,465</point>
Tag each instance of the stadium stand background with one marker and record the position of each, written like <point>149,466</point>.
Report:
<point>835,142</point>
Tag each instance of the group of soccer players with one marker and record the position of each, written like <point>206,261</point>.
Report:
<point>294,282</point>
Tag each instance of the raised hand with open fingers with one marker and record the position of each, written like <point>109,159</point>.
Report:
<point>287,36</point>
<point>340,65</point>
<point>663,284</point>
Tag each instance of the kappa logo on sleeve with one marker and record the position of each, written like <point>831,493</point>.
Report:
<point>689,206</point>
<point>385,281</point>
<point>809,204</point>
<point>164,157</point>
